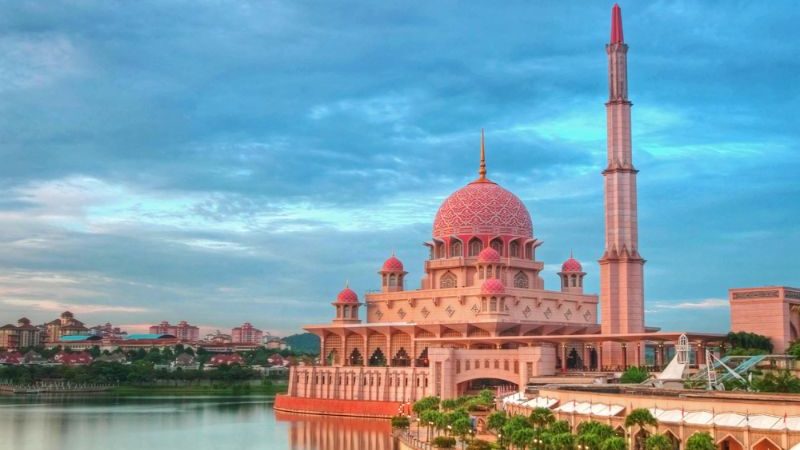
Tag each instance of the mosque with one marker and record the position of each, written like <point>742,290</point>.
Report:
<point>482,315</point>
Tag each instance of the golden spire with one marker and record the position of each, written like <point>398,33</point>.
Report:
<point>482,170</point>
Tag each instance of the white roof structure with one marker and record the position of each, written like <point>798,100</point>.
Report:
<point>541,402</point>
<point>698,417</point>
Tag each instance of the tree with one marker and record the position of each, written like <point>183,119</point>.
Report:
<point>700,441</point>
<point>634,375</point>
<point>401,422</point>
<point>657,442</point>
<point>640,417</point>
<point>559,426</point>
<point>462,427</point>
<point>562,441</point>
<point>444,442</point>
<point>784,381</point>
<point>424,404</point>
<point>522,438</point>
<point>496,421</point>
<point>479,444</point>
<point>615,443</point>
<point>589,440</point>
<point>542,417</point>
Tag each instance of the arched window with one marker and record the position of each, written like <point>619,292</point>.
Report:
<point>493,307</point>
<point>346,312</point>
<point>392,280</point>
<point>574,281</point>
<point>439,250</point>
<point>483,305</point>
<point>513,249</point>
<point>455,249</point>
<point>521,280</point>
<point>497,245</point>
<point>354,312</point>
<point>448,280</point>
<point>475,247</point>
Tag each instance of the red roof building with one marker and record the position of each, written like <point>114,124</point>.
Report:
<point>226,359</point>
<point>73,359</point>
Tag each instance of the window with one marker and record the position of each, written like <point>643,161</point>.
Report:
<point>493,308</point>
<point>574,280</point>
<point>521,280</point>
<point>475,247</point>
<point>514,249</point>
<point>455,249</point>
<point>448,281</point>
<point>497,245</point>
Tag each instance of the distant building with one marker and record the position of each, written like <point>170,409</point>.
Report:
<point>277,360</point>
<point>116,357</point>
<point>20,336</point>
<point>275,343</point>
<point>185,361</point>
<point>108,331</point>
<point>66,325</point>
<point>73,359</point>
<point>183,331</point>
<point>226,359</point>
<point>218,338</point>
<point>247,334</point>
<point>10,358</point>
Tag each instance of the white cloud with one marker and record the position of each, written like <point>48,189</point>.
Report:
<point>707,303</point>
<point>77,308</point>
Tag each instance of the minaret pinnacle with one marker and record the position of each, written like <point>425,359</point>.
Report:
<point>482,169</point>
<point>616,25</point>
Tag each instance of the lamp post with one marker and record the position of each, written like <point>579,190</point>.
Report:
<point>417,419</point>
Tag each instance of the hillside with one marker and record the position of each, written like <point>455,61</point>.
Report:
<point>303,343</point>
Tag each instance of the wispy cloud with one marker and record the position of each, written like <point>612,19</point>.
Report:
<point>54,306</point>
<point>708,303</point>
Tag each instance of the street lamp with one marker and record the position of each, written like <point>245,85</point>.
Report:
<point>417,428</point>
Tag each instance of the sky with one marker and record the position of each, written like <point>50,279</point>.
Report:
<point>222,162</point>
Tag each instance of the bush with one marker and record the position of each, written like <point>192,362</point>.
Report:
<point>700,441</point>
<point>657,442</point>
<point>444,442</point>
<point>400,422</point>
<point>425,403</point>
<point>634,375</point>
<point>479,444</point>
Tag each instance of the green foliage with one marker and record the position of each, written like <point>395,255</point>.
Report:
<point>444,442</point>
<point>784,381</point>
<point>614,443</point>
<point>742,351</point>
<point>747,340</point>
<point>657,442</point>
<point>700,441</point>
<point>634,375</point>
<point>450,404</point>
<point>479,444</point>
<point>496,420</point>
<point>542,417</point>
<point>559,427</point>
<point>591,441</point>
<point>303,343</point>
<point>562,441</point>
<point>400,422</point>
<point>522,437</point>
<point>430,416</point>
<point>640,417</point>
<point>601,430</point>
<point>425,404</point>
<point>461,426</point>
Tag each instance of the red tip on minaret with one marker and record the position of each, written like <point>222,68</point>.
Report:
<point>616,25</point>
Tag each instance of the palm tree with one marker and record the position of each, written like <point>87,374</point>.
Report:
<point>700,441</point>
<point>615,443</point>
<point>658,442</point>
<point>640,417</point>
<point>541,417</point>
<point>522,438</point>
<point>496,421</point>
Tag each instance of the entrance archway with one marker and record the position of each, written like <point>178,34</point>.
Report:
<point>729,443</point>
<point>674,440</point>
<point>473,386</point>
<point>766,444</point>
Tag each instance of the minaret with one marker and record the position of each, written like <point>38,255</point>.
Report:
<point>621,267</point>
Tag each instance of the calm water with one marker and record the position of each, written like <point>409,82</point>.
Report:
<point>196,423</point>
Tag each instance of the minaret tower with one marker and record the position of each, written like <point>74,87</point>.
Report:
<point>621,267</point>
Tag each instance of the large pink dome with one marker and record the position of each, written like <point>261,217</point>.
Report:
<point>482,207</point>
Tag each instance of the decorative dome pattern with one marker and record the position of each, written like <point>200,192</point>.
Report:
<point>392,265</point>
<point>347,295</point>
<point>489,255</point>
<point>493,286</point>
<point>482,207</point>
<point>571,265</point>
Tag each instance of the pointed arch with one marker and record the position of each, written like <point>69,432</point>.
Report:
<point>765,443</point>
<point>674,439</point>
<point>456,249</point>
<point>497,245</point>
<point>514,249</point>
<point>475,246</point>
<point>521,280</point>
<point>448,280</point>
<point>729,442</point>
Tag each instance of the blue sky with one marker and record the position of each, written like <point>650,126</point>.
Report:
<point>218,162</point>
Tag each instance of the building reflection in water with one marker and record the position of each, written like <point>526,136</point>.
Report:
<point>308,432</point>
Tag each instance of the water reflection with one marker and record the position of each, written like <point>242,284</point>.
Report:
<point>196,423</point>
<point>329,433</point>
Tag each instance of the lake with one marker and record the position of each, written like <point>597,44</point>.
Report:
<point>196,423</point>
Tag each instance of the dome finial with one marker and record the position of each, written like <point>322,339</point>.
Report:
<point>347,284</point>
<point>482,170</point>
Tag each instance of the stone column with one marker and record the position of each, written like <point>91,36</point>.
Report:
<point>599,347</point>
<point>624,355</point>
<point>563,357</point>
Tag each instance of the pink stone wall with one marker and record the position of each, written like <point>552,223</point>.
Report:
<point>770,311</point>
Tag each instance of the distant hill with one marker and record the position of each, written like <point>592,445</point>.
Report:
<point>303,343</point>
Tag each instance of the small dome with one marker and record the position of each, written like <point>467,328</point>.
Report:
<point>347,295</point>
<point>392,265</point>
<point>493,286</point>
<point>489,255</point>
<point>571,265</point>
